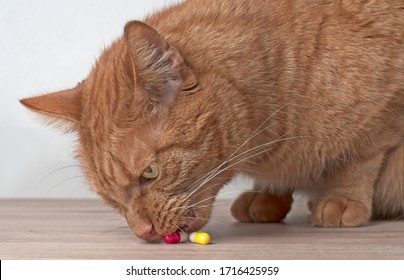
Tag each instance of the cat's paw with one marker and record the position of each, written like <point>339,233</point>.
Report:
<point>340,212</point>
<point>261,208</point>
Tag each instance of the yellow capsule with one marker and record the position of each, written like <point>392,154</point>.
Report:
<point>199,237</point>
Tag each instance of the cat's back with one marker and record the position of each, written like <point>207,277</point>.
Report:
<point>307,53</point>
<point>343,47</point>
<point>221,28</point>
<point>387,13</point>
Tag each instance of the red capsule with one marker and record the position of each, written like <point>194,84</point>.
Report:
<point>175,237</point>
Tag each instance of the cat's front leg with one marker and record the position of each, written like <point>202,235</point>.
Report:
<point>347,201</point>
<point>258,207</point>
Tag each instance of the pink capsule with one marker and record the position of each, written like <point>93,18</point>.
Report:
<point>175,237</point>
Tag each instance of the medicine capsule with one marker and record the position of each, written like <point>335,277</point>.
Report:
<point>175,237</point>
<point>199,237</point>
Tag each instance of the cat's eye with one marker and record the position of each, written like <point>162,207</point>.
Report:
<point>150,173</point>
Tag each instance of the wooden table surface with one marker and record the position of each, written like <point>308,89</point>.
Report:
<point>87,229</point>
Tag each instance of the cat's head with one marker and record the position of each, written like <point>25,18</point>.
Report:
<point>149,134</point>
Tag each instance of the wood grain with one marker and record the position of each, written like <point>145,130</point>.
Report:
<point>87,229</point>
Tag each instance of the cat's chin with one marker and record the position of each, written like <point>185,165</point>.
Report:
<point>193,221</point>
<point>154,239</point>
<point>189,221</point>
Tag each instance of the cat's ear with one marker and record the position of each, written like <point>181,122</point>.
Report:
<point>63,105</point>
<point>159,69</point>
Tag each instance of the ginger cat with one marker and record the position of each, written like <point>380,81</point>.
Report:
<point>301,95</point>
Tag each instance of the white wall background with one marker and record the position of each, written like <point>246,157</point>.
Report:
<point>46,46</point>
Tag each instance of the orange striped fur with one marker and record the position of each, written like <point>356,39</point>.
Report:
<point>301,95</point>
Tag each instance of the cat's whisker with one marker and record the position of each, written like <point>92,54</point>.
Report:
<point>211,174</point>
<point>216,203</point>
<point>204,219</point>
<point>218,171</point>
<point>211,197</point>
<point>54,171</point>
<point>230,166</point>
<point>193,184</point>
<point>218,195</point>
<point>248,170</point>
<point>232,156</point>
<point>247,157</point>
<point>71,178</point>
<point>115,218</point>
<point>209,205</point>
<point>114,229</point>
<point>257,131</point>
<point>254,134</point>
<point>258,148</point>
<point>61,182</point>
<point>180,205</point>
<point>60,169</point>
